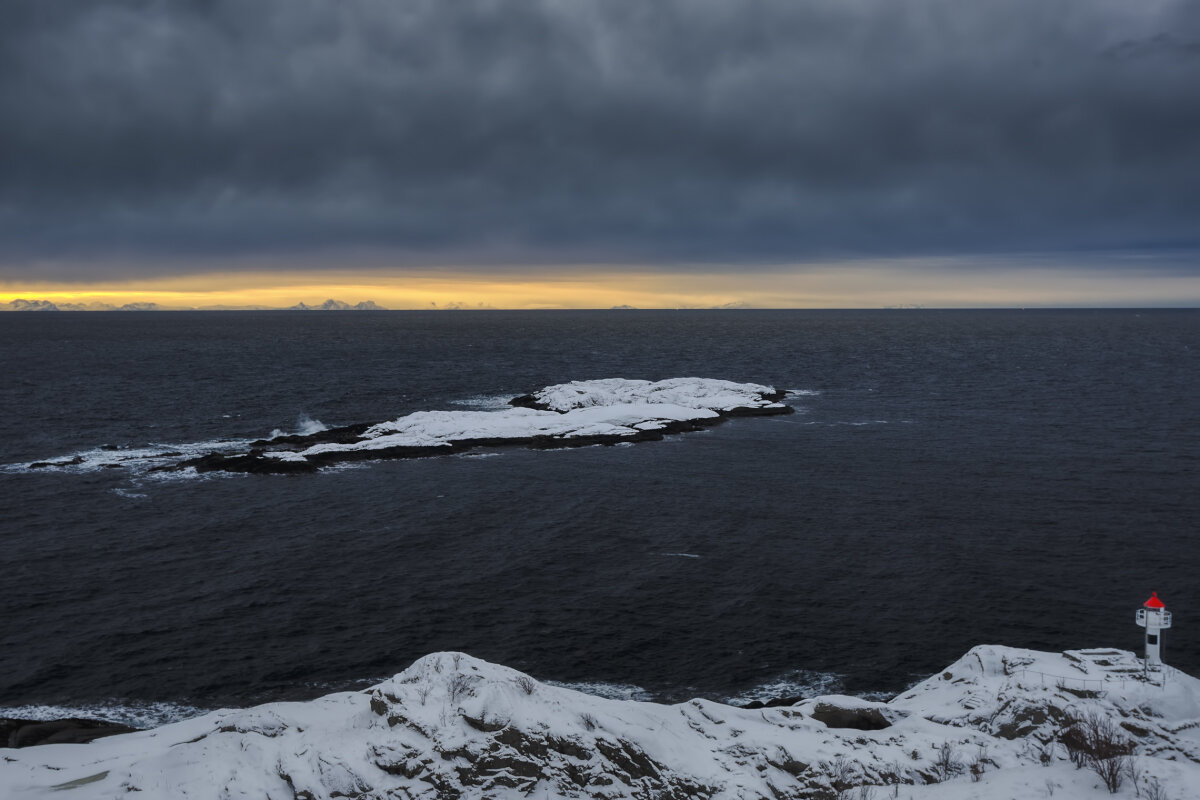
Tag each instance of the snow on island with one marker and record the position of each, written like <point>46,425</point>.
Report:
<point>999,723</point>
<point>573,414</point>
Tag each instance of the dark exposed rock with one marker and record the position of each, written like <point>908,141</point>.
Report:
<point>68,463</point>
<point>28,732</point>
<point>533,746</point>
<point>774,702</point>
<point>1136,730</point>
<point>1023,719</point>
<point>757,411</point>
<point>629,758</point>
<point>254,462</point>
<point>785,761</point>
<point>347,434</point>
<point>528,401</point>
<point>858,718</point>
<point>484,724</point>
<point>569,747</point>
<point>406,761</point>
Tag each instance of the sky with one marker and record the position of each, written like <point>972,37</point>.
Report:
<point>592,153</point>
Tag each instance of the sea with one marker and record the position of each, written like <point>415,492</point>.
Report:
<point>948,479</point>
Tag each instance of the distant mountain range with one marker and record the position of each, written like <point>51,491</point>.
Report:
<point>338,305</point>
<point>47,305</point>
<point>328,305</point>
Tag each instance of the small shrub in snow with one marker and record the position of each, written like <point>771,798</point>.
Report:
<point>841,775</point>
<point>589,722</point>
<point>525,683</point>
<point>979,765</point>
<point>1155,790</point>
<point>1093,740</point>
<point>894,777</point>
<point>946,764</point>
<point>1112,771</point>
<point>458,687</point>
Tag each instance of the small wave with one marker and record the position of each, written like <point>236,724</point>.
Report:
<point>802,392</point>
<point>137,715</point>
<point>305,426</point>
<point>844,423</point>
<point>346,686</point>
<point>341,466</point>
<point>129,494</point>
<point>135,459</point>
<point>609,691</point>
<point>680,555</point>
<point>490,402</point>
<point>799,683</point>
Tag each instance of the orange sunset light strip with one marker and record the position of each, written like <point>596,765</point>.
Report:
<point>860,285</point>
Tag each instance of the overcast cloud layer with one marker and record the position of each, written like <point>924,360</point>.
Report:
<point>617,130</point>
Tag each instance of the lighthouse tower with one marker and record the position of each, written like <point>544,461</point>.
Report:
<point>1154,617</point>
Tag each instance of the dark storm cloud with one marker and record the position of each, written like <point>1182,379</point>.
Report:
<point>614,130</point>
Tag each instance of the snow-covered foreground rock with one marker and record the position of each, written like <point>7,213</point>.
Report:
<point>992,725</point>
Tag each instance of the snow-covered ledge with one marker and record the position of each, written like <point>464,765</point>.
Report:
<point>990,726</point>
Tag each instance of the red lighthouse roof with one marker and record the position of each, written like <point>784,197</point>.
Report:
<point>1154,602</point>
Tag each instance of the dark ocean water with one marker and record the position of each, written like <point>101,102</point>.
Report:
<point>950,478</point>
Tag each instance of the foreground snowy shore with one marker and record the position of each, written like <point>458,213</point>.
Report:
<point>999,723</point>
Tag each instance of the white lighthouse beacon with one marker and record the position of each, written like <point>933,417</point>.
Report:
<point>1154,617</point>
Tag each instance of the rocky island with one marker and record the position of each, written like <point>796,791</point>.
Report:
<point>576,414</point>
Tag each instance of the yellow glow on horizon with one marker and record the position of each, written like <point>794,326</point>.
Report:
<point>845,285</point>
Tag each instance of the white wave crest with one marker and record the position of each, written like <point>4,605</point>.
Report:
<point>136,715</point>
<point>609,691</point>
<point>137,460</point>
<point>797,683</point>
<point>487,402</point>
<point>305,425</point>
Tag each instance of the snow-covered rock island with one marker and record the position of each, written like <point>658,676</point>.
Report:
<point>1000,723</point>
<point>581,413</point>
